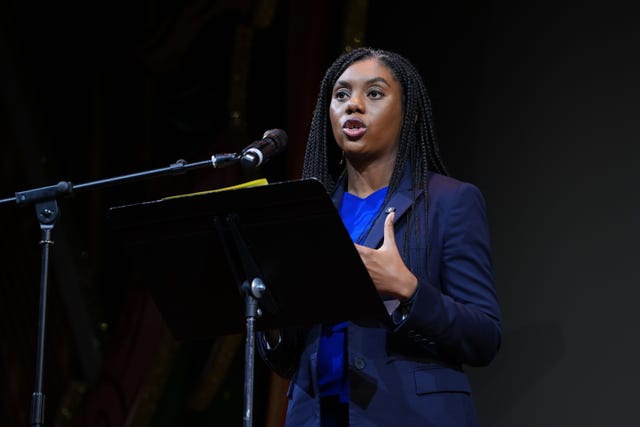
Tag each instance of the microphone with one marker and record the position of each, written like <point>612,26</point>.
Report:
<point>273,142</point>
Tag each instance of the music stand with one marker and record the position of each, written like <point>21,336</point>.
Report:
<point>208,258</point>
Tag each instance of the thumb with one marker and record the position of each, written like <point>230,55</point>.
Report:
<point>389,232</point>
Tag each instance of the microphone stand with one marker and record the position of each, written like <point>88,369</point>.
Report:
<point>47,211</point>
<point>257,296</point>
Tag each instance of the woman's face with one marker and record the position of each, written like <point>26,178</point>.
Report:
<point>366,111</point>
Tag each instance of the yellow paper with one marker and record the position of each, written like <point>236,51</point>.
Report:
<point>254,183</point>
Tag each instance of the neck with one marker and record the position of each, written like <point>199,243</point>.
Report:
<point>364,181</point>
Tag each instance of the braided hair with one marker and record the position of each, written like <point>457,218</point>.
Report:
<point>418,144</point>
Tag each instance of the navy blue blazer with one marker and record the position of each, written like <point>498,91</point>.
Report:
<point>411,374</point>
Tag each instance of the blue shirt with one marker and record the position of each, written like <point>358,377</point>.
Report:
<point>357,215</point>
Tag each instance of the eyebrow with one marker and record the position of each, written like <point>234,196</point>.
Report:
<point>369,82</point>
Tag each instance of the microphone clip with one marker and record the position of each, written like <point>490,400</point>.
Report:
<point>225,159</point>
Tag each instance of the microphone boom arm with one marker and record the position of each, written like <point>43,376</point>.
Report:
<point>65,187</point>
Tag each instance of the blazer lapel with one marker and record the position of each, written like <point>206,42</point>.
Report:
<point>401,201</point>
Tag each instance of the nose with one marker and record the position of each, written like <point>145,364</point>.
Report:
<point>355,104</point>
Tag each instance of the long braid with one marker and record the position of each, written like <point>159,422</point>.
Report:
<point>415,139</point>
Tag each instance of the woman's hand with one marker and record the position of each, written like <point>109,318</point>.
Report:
<point>385,265</point>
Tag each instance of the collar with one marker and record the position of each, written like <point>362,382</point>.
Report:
<point>400,199</point>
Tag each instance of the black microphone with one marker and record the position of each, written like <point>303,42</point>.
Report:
<point>273,142</point>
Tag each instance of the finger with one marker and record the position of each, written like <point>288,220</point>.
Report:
<point>389,233</point>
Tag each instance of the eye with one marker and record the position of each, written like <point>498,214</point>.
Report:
<point>341,94</point>
<point>375,94</point>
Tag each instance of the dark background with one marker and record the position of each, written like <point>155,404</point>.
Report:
<point>535,102</point>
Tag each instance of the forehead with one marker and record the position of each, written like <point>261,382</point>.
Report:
<point>366,70</point>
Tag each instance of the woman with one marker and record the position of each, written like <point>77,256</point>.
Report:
<point>424,239</point>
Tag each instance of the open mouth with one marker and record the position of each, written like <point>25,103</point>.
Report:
<point>354,129</point>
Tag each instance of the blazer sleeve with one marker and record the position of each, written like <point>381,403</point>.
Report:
<point>459,315</point>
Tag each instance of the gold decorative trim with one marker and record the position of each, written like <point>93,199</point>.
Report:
<point>355,24</point>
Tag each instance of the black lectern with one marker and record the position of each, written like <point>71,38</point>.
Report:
<point>205,258</point>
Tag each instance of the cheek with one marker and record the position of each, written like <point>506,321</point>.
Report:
<point>392,120</point>
<point>398,117</point>
<point>334,118</point>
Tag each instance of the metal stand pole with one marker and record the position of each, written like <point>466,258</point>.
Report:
<point>253,291</point>
<point>47,213</point>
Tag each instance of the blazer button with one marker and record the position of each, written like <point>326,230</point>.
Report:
<point>359,363</point>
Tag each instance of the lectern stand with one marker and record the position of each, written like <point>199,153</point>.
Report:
<point>261,257</point>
